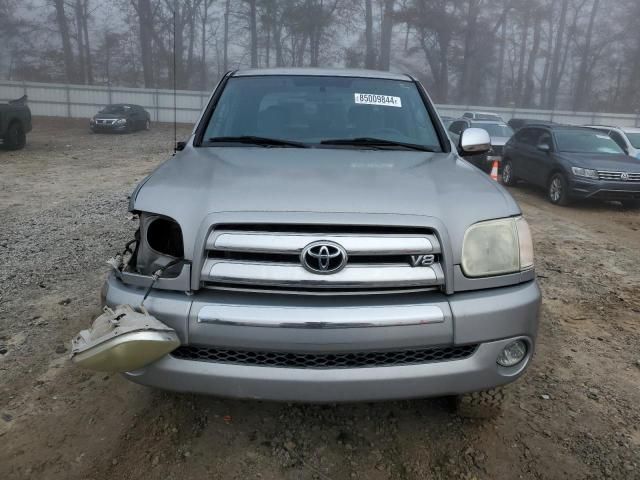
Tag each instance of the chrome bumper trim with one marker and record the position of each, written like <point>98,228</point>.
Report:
<point>306,317</point>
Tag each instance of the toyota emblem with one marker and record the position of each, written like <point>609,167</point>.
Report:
<point>624,176</point>
<point>323,257</point>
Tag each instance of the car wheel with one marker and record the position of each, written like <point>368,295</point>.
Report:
<point>557,190</point>
<point>484,404</point>
<point>508,178</point>
<point>16,138</point>
<point>147,125</point>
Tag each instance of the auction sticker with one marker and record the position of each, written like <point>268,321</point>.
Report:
<point>374,99</point>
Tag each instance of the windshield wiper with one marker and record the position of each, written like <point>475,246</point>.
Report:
<point>262,141</point>
<point>375,142</point>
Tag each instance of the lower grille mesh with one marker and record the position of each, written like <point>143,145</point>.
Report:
<point>324,360</point>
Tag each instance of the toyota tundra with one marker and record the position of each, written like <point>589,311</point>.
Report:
<point>318,238</point>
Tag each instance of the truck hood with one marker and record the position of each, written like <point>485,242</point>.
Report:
<point>615,163</point>
<point>199,182</point>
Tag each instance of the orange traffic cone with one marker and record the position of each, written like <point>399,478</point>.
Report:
<point>494,170</point>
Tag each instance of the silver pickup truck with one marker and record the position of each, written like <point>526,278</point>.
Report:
<point>319,239</point>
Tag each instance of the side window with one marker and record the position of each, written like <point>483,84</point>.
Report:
<point>616,137</point>
<point>545,139</point>
<point>526,136</point>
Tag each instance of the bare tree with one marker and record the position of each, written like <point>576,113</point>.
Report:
<point>65,37</point>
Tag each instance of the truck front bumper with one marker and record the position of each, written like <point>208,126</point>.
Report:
<point>490,319</point>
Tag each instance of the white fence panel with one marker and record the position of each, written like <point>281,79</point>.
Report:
<point>82,101</point>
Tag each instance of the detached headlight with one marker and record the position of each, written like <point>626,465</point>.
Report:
<point>121,121</point>
<point>497,247</point>
<point>584,172</point>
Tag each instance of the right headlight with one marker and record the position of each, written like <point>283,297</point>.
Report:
<point>497,247</point>
<point>584,172</point>
<point>160,244</point>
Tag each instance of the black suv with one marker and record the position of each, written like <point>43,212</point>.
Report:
<point>571,163</point>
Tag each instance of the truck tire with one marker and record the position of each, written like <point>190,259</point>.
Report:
<point>484,404</point>
<point>15,138</point>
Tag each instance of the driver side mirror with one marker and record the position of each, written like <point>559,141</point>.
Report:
<point>474,141</point>
<point>544,147</point>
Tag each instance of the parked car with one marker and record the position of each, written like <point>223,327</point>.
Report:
<point>517,123</point>
<point>446,121</point>
<point>15,123</point>
<point>499,132</point>
<point>120,117</point>
<point>319,239</point>
<point>482,116</point>
<point>627,138</point>
<point>572,163</point>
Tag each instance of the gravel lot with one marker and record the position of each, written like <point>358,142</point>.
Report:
<point>575,414</point>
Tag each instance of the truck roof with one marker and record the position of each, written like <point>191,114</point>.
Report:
<point>322,72</point>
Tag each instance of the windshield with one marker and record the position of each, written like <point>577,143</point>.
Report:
<point>495,129</point>
<point>114,109</point>
<point>586,142</point>
<point>314,109</point>
<point>634,138</point>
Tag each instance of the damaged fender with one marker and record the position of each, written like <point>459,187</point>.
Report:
<point>122,340</point>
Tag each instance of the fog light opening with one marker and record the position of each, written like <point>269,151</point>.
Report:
<point>513,353</point>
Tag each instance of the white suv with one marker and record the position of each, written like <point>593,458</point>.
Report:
<point>628,138</point>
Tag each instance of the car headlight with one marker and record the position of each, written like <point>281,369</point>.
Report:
<point>584,172</point>
<point>160,244</point>
<point>497,247</point>
<point>121,121</point>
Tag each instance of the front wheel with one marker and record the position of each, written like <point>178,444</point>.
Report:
<point>484,404</point>
<point>508,178</point>
<point>16,137</point>
<point>557,190</point>
<point>631,204</point>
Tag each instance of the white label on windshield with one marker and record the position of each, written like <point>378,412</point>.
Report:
<point>374,99</point>
<point>602,136</point>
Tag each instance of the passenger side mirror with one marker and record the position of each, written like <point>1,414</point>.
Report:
<point>474,141</point>
<point>180,146</point>
<point>544,147</point>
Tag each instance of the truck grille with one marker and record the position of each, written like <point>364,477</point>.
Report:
<point>617,176</point>
<point>270,257</point>
<point>324,360</point>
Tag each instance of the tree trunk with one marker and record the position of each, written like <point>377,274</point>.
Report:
<point>503,48</point>
<point>253,28</point>
<point>523,53</point>
<point>87,45</point>
<point>225,47</point>
<point>203,41</point>
<point>370,54</point>
<point>145,23</point>
<point>385,35</point>
<point>63,28</point>
<point>554,76</point>
<point>527,97</point>
<point>581,93</point>
<point>468,63</point>
<point>82,70</point>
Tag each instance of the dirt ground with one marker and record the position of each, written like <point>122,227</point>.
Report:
<point>574,415</point>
